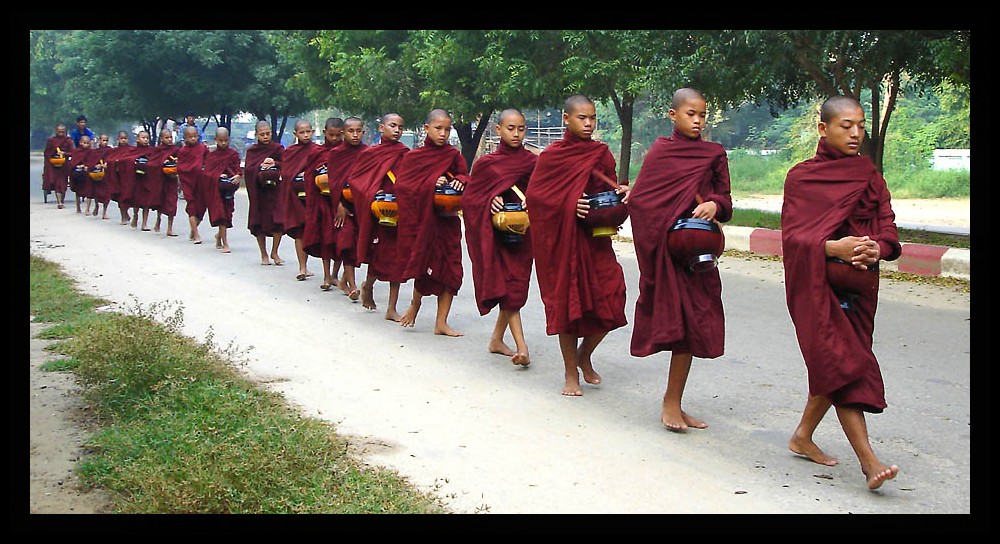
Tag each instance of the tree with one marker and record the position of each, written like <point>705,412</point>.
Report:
<point>885,63</point>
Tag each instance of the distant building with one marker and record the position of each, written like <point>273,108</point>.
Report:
<point>951,159</point>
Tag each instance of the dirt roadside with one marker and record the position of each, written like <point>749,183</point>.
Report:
<point>58,430</point>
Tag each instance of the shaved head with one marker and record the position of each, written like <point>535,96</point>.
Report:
<point>683,95</point>
<point>436,114</point>
<point>576,101</point>
<point>835,105</point>
<point>509,112</point>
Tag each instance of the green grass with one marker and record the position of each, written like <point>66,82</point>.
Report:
<point>765,175</point>
<point>179,430</point>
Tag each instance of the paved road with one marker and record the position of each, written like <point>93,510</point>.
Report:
<point>491,437</point>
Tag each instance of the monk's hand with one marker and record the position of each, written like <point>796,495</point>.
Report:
<point>338,220</point>
<point>624,190</point>
<point>866,253</point>
<point>496,205</point>
<point>457,185</point>
<point>441,181</point>
<point>267,163</point>
<point>582,207</point>
<point>706,210</point>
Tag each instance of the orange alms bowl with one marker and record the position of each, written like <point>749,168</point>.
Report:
<point>385,208</point>
<point>447,200</point>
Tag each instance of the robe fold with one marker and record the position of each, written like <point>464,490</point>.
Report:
<point>580,281</point>
<point>827,197</point>
<point>190,164</point>
<point>218,162</point>
<point>370,174</point>
<point>501,272</point>
<point>56,179</point>
<point>294,161</point>
<point>429,244</point>
<point>677,310</point>
<point>263,213</point>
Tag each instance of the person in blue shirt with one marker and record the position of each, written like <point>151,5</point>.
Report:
<point>80,130</point>
<point>189,122</point>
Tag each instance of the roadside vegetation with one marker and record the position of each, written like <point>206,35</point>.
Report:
<point>178,429</point>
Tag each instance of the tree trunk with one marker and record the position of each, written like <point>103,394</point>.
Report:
<point>890,106</point>
<point>624,162</point>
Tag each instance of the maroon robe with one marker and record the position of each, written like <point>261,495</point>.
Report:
<point>429,244</point>
<point>79,181</point>
<point>190,164</point>
<point>149,188</point>
<point>580,281</point>
<point>101,191</point>
<point>500,272</point>
<point>677,310</point>
<point>340,162</point>
<point>294,161</point>
<point>221,161</point>
<point>319,234</point>
<point>827,197</point>
<point>263,213</point>
<point>376,243</point>
<point>112,179</point>
<point>56,179</point>
<point>128,180</point>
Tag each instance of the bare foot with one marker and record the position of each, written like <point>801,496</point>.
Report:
<point>497,346</point>
<point>354,294</point>
<point>520,358</point>
<point>589,374</point>
<point>265,261</point>
<point>693,421</point>
<point>410,317</point>
<point>572,387</point>
<point>367,300</point>
<point>811,451</point>
<point>393,315</point>
<point>278,261</point>
<point>225,249</point>
<point>218,241</point>
<point>879,475</point>
<point>446,330</point>
<point>673,419</point>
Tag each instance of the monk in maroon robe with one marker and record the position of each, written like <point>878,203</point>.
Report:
<point>129,179</point>
<point>579,278</point>
<point>373,173</point>
<point>56,178</point>
<point>318,236</point>
<point>263,213</point>
<point>149,187</point>
<point>190,165</point>
<point>340,162</point>
<point>292,192</point>
<point>220,199</point>
<point>678,309</point>
<point>101,192</point>
<point>837,206</point>
<point>112,175</point>
<point>170,184</point>
<point>79,181</point>
<point>501,271</point>
<point>431,243</point>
